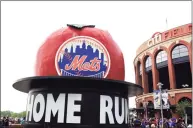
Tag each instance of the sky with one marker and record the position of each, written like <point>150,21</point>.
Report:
<point>26,24</point>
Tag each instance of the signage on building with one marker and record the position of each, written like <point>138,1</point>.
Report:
<point>172,33</point>
<point>165,36</point>
<point>165,101</point>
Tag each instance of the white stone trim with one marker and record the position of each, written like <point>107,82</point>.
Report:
<point>172,93</point>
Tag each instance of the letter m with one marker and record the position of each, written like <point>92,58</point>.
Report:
<point>55,107</point>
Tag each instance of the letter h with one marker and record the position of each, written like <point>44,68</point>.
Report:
<point>29,108</point>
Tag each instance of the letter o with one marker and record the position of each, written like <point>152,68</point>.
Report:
<point>37,116</point>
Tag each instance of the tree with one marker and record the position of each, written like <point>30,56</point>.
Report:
<point>6,113</point>
<point>12,114</point>
<point>180,107</point>
<point>22,114</point>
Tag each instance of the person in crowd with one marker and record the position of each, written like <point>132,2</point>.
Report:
<point>157,123</point>
<point>147,124</point>
<point>7,122</point>
<point>23,121</point>
<point>153,126</point>
<point>166,124</point>
<point>152,121</point>
<point>137,123</point>
<point>180,123</point>
<point>143,123</point>
<point>170,123</point>
<point>173,123</point>
<point>18,120</point>
<point>3,121</point>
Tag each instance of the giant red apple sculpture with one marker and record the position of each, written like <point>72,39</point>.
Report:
<point>80,51</point>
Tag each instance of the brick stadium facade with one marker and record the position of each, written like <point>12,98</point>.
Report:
<point>165,58</point>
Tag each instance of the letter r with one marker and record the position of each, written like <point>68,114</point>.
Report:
<point>106,109</point>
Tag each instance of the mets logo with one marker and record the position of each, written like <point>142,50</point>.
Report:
<point>82,56</point>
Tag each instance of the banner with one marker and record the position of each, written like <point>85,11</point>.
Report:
<point>165,101</point>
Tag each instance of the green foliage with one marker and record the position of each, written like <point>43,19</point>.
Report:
<point>180,107</point>
<point>13,114</point>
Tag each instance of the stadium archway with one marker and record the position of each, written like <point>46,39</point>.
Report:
<point>181,62</point>
<point>162,66</point>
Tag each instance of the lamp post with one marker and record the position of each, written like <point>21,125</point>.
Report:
<point>161,106</point>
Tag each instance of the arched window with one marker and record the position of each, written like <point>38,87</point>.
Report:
<point>148,62</point>
<point>179,51</point>
<point>139,73</point>
<point>161,57</point>
<point>140,69</point>
<point>141,104</point>
<point>162,66</point>
<point>185,99</point>
<point>150,104</point>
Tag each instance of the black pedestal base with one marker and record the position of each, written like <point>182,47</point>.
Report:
<point>76,102</point>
